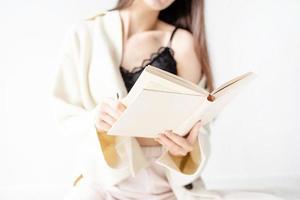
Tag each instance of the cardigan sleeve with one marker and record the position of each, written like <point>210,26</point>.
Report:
<point>75,118</point>
<point>74,110</point>
<point>183,170</point>
<point>100,155</point>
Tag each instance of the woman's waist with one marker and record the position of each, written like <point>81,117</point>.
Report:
<point>147,142</point>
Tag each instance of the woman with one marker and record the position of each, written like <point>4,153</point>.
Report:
<point>102,56</point>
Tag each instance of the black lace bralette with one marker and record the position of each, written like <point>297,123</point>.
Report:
<point>163,59</point>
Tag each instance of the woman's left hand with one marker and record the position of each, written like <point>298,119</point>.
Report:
<point>179,145</point>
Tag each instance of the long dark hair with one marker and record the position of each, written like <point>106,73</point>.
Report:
<point>189,15</point>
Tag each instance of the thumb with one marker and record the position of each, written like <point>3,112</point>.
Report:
<point>194,132</point>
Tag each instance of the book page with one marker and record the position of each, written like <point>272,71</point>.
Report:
<point>175,78</point>
<point>155,111</point>
<point>232,83</point>
<point>149,80</point>
<point>225,94</point>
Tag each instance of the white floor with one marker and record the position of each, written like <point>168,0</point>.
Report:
<point>288,191</point>
<point>286,188</point>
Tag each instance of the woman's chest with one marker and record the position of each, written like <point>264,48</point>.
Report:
<point>141,47</point>
<point>141,51</point>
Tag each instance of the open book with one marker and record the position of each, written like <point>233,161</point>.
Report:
<point>160,100</point>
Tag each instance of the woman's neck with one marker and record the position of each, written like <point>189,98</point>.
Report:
<point>138,18</point>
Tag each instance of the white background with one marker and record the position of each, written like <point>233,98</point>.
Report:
<point>255,141</point>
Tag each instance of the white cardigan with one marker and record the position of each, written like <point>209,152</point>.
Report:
<point>88,72</point>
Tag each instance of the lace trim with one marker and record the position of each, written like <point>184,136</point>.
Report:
<point>147,61</point>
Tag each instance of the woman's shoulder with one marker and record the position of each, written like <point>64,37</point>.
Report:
<point>96,14</point>
<point>84,22</point>
<point>181,36</point>
<point>184,47</point>
<point>84,26</point>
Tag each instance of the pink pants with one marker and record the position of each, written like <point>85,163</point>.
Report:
<point>149,183</point>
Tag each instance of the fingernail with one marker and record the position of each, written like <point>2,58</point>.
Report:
<point>157,140</point>
<point>169,133</point>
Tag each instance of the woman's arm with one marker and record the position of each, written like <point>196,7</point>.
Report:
<point>188,64</point>
<point>186,153</point>
<point>72,115</point>
<point>75,111</point>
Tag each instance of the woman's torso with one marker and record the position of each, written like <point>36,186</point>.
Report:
<point>150,47</point>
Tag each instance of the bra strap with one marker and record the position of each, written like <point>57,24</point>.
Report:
<point>172,35</point>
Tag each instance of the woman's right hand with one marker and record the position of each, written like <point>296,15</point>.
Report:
<point>107,113</point>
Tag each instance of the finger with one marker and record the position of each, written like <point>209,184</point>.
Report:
<point>182,142</point>
<point>116,105</point>
<point>102,126</point>
<point>107,118</point>
<point>194,133</point>
<point>163,144</point>
<point>119,106</point>
<point>171,146</point>
<point>106,108</point>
